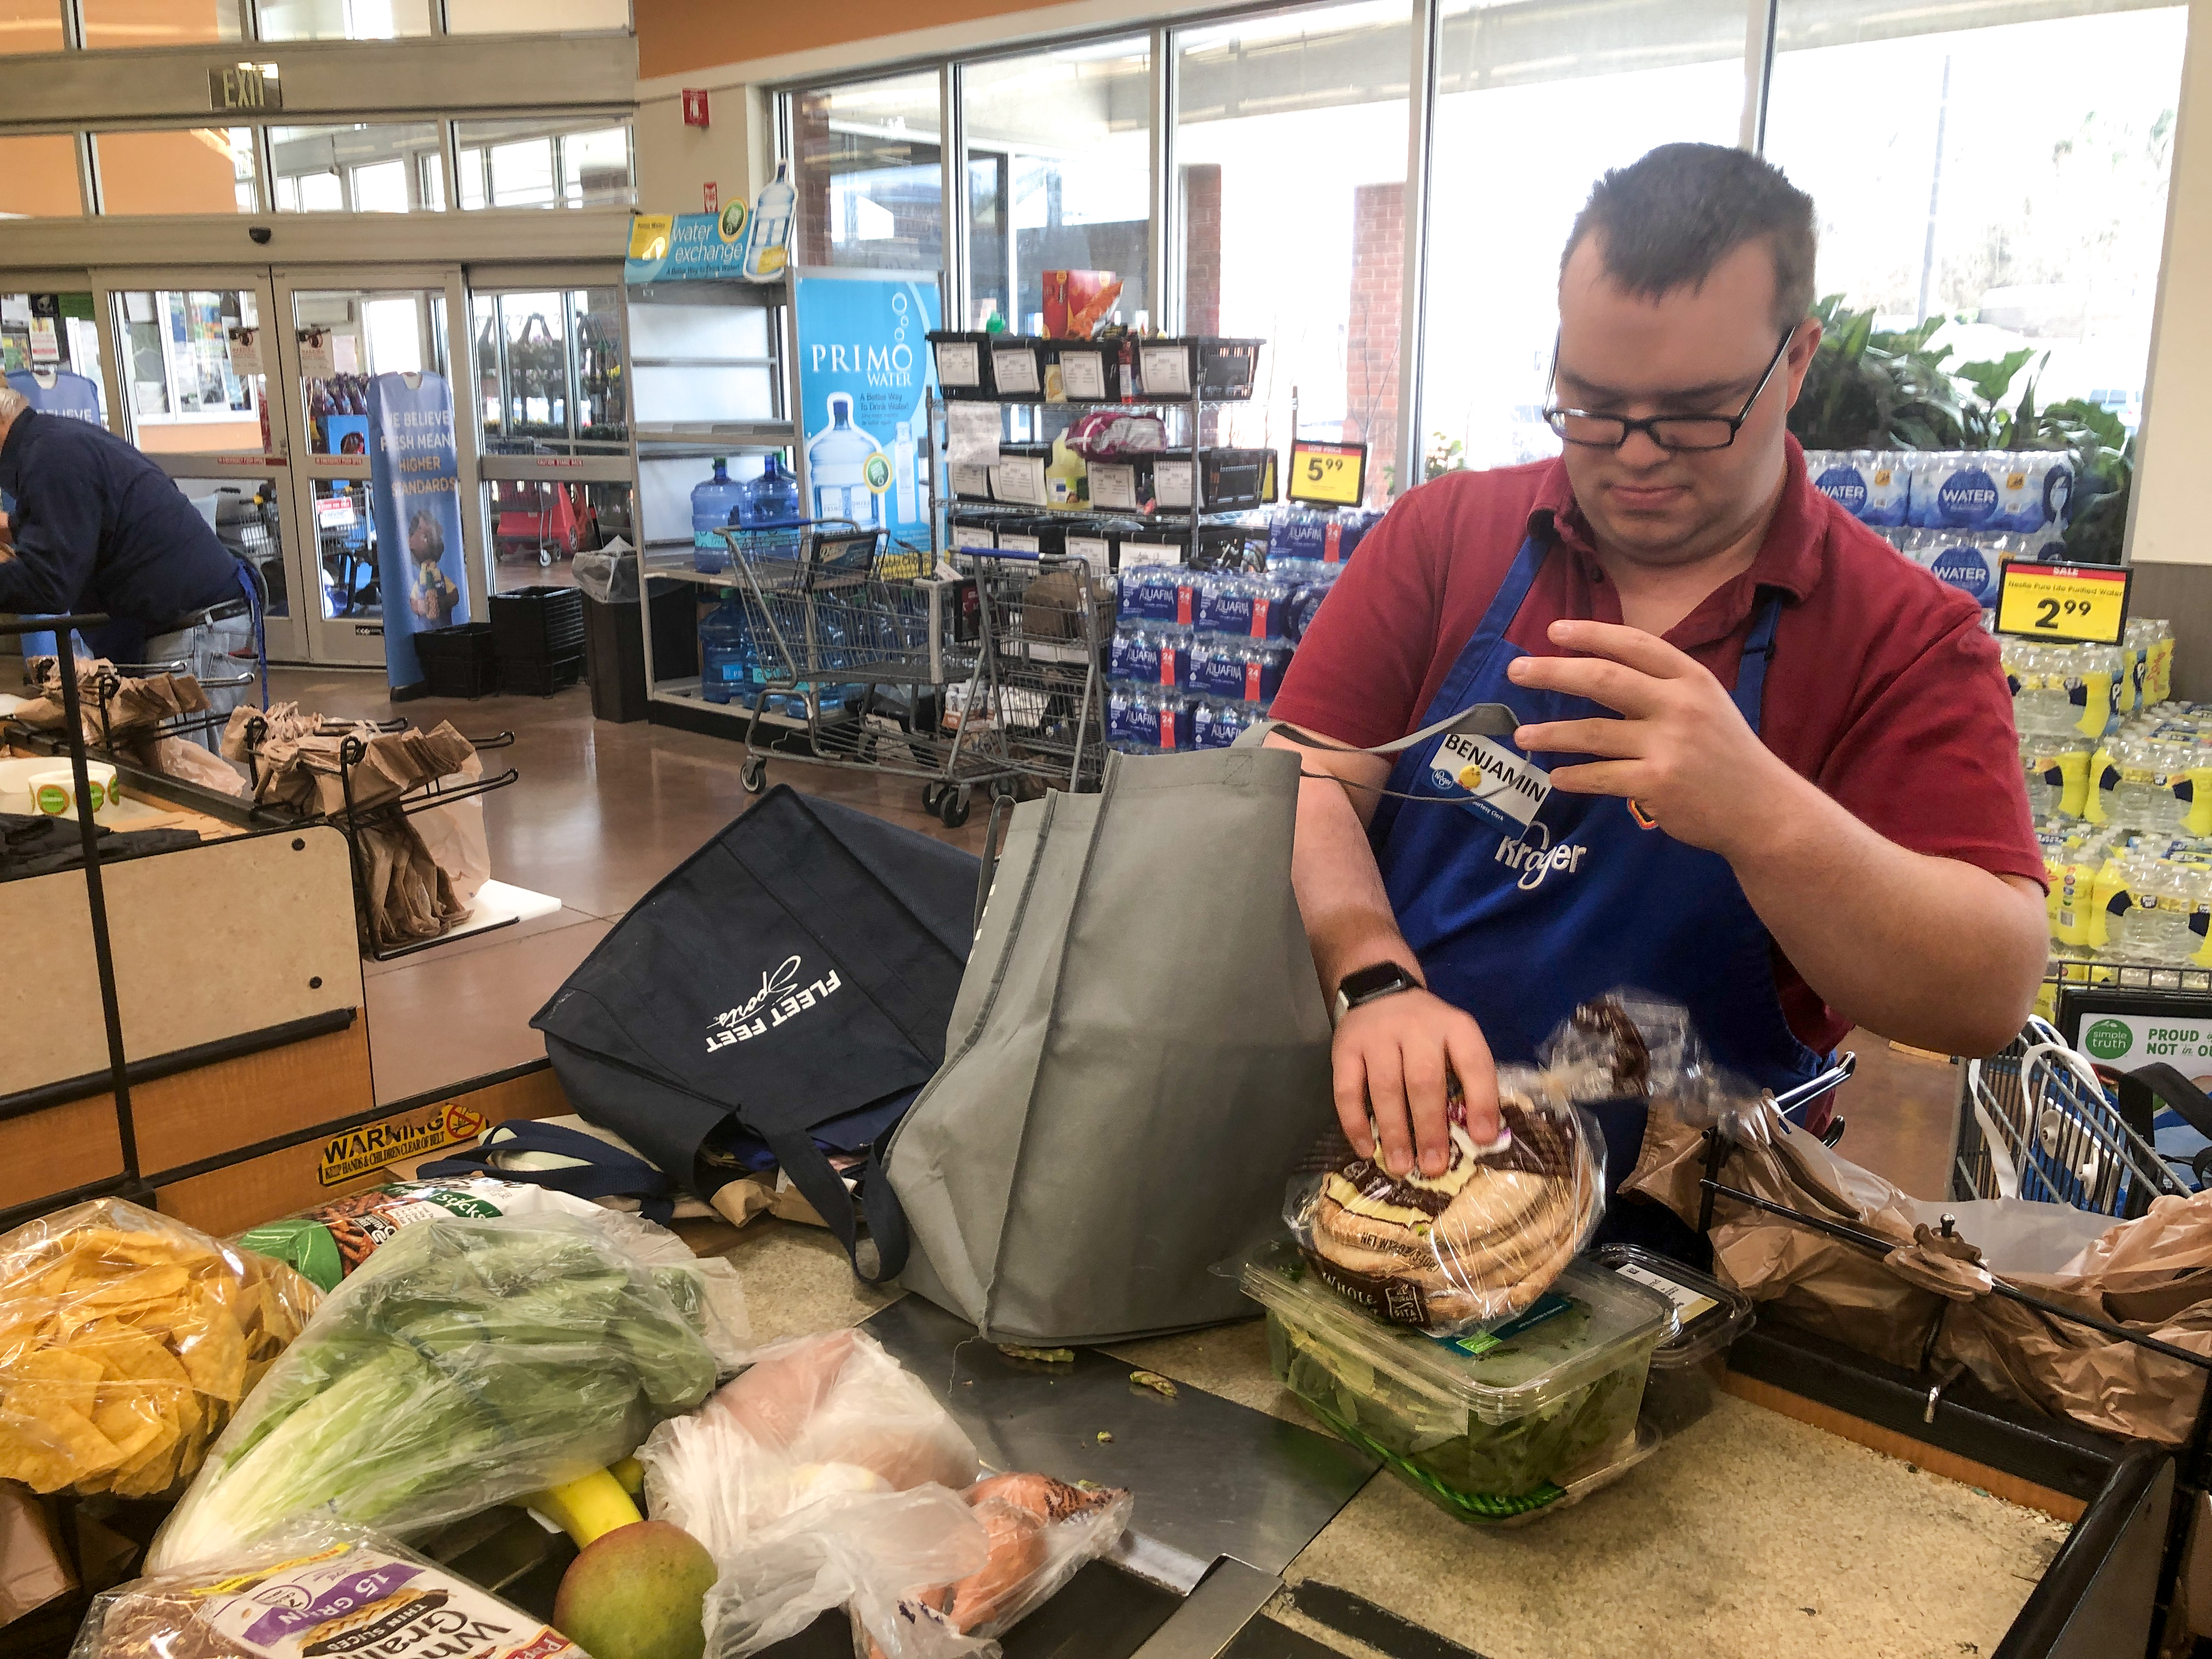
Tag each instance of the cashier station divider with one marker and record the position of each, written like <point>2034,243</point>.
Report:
<point>227,1077</point>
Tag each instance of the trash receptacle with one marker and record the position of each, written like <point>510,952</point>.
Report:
<point>614,647</point>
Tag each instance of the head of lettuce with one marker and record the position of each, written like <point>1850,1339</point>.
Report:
<point>466,1363</point>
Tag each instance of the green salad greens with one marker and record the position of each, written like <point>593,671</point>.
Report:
<point>1471,1466</point>
<point>463,1365</point>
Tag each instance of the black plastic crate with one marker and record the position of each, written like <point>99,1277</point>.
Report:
<point>1204,365</point>
<point>523,678</point>
<point>962,358</point>
<point>538,624</point>
<point>459,661</point>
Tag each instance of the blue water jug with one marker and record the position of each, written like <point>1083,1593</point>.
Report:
<point>771,499</point>
<point>725,655</point>
<point>714,504</point>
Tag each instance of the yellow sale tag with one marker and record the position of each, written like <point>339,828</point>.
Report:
<point>1328,475</point>
<point>2086,604</point>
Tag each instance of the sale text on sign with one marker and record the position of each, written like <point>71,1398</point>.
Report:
<point>2087,604</point>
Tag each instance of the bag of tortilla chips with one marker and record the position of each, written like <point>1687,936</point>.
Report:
<point>127,1339</point>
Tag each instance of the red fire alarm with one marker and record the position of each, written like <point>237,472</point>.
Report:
<point>694,107</point>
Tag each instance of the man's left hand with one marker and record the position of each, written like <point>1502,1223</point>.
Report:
<point>1682,752</point>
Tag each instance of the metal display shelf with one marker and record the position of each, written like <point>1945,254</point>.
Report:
<point>675,699</point>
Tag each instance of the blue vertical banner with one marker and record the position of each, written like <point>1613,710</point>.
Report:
<point>864,376</point>
<point>415,492</point>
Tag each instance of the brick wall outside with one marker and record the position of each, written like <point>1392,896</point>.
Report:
<point>1201,224</point>
<point>809,120</point>
<point>1370,340</point>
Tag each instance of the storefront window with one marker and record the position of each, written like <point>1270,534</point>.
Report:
<point>2007,174</point>
<point>37,177</point>
<point>30,26</point>
<point>1058,173</point>
<point>1601,90</point>
<point>1291,148</point>
<point>534,16</point>
<point>356,169</point>
<point>870,174</point>
<point>196,170</point>
<point>549,371</point>
<point>186,395</point>
<point>50,352</point>
<point>342,19</point>
<point>107,23</point>
<point>575,162</point>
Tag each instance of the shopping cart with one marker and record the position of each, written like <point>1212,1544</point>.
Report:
<point>882,672</point>
<point>2037,1122</point>
<point>1043,625</point>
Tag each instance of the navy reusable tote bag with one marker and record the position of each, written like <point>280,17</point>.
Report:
<point>788,986</point>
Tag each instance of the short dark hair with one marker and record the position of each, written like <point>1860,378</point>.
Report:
<point>1664,222</point>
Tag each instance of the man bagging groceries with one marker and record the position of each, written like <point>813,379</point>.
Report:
<point>1764,767</point>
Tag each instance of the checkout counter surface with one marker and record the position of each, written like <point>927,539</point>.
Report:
<point>1748,1533</point>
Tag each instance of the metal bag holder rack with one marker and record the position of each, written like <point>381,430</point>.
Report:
<point>2047,1612</point>
<point>424,798</point>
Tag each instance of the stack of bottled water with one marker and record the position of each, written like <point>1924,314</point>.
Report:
<point>1962,513</point>
<point>1198,655</point>
<point>2120,779</point>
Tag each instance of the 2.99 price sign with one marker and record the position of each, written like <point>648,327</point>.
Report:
<point>2086,605</point>
<point>1327,475</point>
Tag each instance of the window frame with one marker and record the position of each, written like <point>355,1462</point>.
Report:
<point>1164,273</point>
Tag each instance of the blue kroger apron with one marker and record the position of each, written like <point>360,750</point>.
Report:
<point>1526,900</point>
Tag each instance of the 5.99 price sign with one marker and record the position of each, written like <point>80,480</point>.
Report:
<point>2083,605</point>
<point>1327,475</point>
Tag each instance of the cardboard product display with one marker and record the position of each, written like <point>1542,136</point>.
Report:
<point>1929,1296</point>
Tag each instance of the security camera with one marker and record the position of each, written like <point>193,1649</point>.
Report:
<point>260,234</point>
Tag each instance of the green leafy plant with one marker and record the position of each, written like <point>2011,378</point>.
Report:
<point>1445,455</point>
<point>1870,388</point>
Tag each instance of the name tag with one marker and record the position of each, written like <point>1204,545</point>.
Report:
<point>1500,781</point>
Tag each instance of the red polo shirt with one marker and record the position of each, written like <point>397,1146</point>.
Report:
<point>1883,688</point>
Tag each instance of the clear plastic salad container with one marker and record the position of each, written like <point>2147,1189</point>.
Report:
<point>1686,1368</point>
<point>1492,1425</point>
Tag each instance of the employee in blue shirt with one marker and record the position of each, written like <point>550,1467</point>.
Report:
<point>98,527</point>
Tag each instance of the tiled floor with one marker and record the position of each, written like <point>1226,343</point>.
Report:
<point>602,812</point>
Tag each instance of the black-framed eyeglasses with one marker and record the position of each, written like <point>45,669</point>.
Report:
<point>1672,432</point>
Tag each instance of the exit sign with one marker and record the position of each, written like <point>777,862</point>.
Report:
<point>245,87</point>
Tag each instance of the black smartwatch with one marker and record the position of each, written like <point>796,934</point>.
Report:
<point>1362,985</point>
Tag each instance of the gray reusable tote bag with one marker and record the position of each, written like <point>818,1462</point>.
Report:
<point>1138,1058</point>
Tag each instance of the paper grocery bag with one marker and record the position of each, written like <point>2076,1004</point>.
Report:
<point>1928,1296</point>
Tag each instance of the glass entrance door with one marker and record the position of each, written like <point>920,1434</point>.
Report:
<point>196,369</point>
<point>341,329</point>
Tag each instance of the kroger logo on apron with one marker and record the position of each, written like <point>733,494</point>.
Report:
<point>1501,783</point>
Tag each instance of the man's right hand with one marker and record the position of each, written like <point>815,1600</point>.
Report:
<point>1393,1058</point>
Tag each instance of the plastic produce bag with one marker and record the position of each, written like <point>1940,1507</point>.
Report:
<point>609,574</point>
<point>317,1587</point>
<point>329,1242</point>
<point>813,1416</point>
<point>463,1364</point>
<point>127,1340</point>
<point>925,1574</point>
